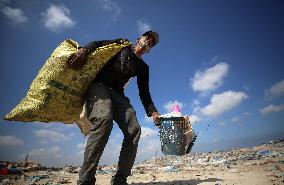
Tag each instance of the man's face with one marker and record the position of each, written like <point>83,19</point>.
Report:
<point>145,43</point>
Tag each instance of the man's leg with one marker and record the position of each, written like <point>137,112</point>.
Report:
<point>125,116</point>
<point>100,113</point>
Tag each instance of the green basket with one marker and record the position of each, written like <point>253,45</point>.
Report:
<point>172,135</point>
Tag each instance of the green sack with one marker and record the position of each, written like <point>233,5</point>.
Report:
<point>57,93</point>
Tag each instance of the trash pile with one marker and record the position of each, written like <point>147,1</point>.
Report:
<point>30,173</point>
<point>266,157</point>
<point>220,159</point>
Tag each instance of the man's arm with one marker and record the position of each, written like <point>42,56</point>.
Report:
<point>92,46</point>
<point>144,93</point>
<point>77,60</point>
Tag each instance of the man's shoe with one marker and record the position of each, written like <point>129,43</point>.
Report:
<point>118,180</point>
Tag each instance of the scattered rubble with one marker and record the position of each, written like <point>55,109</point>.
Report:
<point>267,160</point>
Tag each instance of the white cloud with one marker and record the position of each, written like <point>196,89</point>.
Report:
<point>223,102</point>
<point>10,141</point>
<point>148,119</point>
<point>143,27</point>
<point>194,119</point>
<point>148,132</point>
<point>237,119</point>
<point>148,148</point>
<point>41,153</point>
<point>57,18</point>
<point>51,135</point>
<point>200,133</point>
<point>71,134</point>
<point>109,6</point>
<point>110,154</point>
<point>215,140</point>
<point>112,149</point>
<point>271,108</point>
<point>195,103</point>
<point>210,79</point>
<point>169,105</point>
<point>14,15</point>
<point>82,147</point>
<point>221,124</point>
<point>246,113</point>
<point>57,126</point>
<point>275,91</point>
<point>246,87</point>
<point>78,156</point>
<point>51,156</point>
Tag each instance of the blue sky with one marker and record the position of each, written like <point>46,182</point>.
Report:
<point>221,61</point>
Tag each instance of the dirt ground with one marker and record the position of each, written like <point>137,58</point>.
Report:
<point>260,165</point>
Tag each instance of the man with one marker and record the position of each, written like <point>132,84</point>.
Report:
<point>105,102</point>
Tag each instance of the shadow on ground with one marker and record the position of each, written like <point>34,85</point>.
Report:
<point>180,182</point>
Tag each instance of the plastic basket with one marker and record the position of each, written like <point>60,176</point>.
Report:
<point>172,135</point>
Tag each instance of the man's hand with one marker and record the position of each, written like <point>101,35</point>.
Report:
<point>156,118</point>
<point>78,59</point>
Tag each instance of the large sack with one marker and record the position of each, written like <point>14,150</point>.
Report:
<point>57,93</point>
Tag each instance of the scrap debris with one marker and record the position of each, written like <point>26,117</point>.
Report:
<point>268,159</point>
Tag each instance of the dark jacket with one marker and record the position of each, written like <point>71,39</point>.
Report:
<point>120,68</point>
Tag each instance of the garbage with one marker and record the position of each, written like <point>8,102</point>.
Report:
<point>175,113</point>
<point>264,152</point>
<point>15,171</point>
<point>267,153</point>
<point>267,158</point>
<point>190,138</point>
<point>35,178</point>
<point>62,180</point>
<point>234,171</point>
<point>217,160</point>
<point>110,172</point>
<point>168,169</point>
<point>5,182</point>
<point>4,171</point>
<point>72,169</point>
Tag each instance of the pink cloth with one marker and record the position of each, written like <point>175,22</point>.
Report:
<point>176,109</point>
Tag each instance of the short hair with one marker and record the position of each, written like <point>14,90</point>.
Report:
<point>152,34</point>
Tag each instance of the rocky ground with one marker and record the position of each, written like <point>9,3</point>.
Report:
<point>258,165</point>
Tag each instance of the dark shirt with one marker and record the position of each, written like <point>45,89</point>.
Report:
<point>120,68</point>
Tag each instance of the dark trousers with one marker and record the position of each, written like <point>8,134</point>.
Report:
<point>103,105</point>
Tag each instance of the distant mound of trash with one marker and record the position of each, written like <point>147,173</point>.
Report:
<point>263,164</point>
